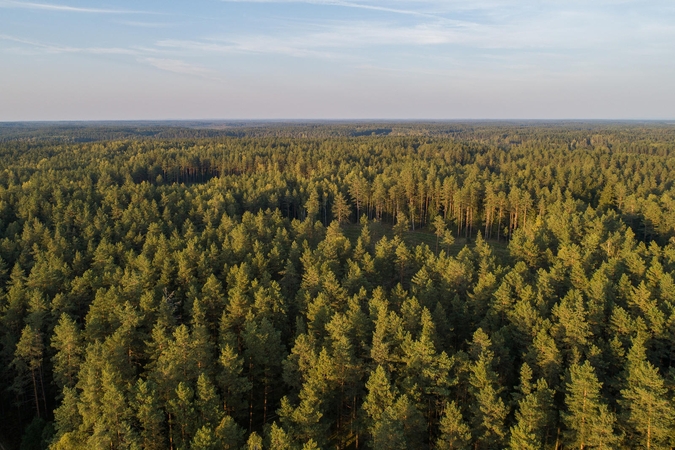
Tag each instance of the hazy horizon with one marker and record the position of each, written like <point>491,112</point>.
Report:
<point>368,60</point>
<point>205,122</point>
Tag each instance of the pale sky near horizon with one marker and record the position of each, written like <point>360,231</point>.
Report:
<point>335,59</point>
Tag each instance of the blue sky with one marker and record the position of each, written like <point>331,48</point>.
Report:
<point>335,59</point>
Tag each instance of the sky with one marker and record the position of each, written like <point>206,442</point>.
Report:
<point>337,59</point>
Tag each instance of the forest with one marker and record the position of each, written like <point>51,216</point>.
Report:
<point>337,286</point>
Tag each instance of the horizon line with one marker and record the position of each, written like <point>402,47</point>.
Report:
<point>321,120</point>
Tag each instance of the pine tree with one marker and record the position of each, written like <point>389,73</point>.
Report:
<point>312,205</point>
<point>204,439</point>
<point>113,428</point>
<point>28,364</point>
<point>208,404</point>
<point>149,415</point>
<point>307,417</point>
<point>588,420</point>
<point>202,348</point>
<point>455,433</point>
<point>123,346</point>
<point>572,329</point>
<point>387,433</point>
<point>392,423</point>
<point>254,442</point>
<point>534,414</point>
<point>230,379</point>
<point>230,435</point>
<point>67,342</point>
<point>649,414</point>
<point>341,209</point>
<point>345,371</point>
<point>489,410</point>
<point>379,396</point>
<point>277,438</point>
<point>401,425</point>
<point>177,362</point>
<point>263,355</point>
<point>182,414</point>
<point>310,445</point>
<point>67,418</point>
<point>439,229</point>
<point>90,388</point>
<point>212,298</point>
<point>402,225</point>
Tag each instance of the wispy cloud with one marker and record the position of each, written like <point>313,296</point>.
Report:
<point>335,39</point>
<point>141,55</point>
<point>245,44</point>
<point>133,23</point>
<point>180,67</point>
<point>66,8</point>
<point>323,41</point>
<point>559,44</point>
<point>51,48</point>
<point>346,4</point>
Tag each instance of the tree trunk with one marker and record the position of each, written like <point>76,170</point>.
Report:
<point>35,392</point>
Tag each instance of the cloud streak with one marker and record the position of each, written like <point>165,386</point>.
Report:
<point>180,67</point>
<point>66,8</point>
<point>50,48</point>
<point>242,45</point>
<point>345,4</point>
<point>142,55</point>
<point>133,23</point>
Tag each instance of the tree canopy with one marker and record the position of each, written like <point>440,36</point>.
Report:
<point>385,286</point>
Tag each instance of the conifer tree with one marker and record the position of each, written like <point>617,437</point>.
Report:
<point>28,364</point>
<point>204,439</point>
<point>113,428</point>
<point>182,415</point>
<point>648,412</point>
<point>67,342</point>
<point>534,414</point>
<point>439,229</point>
<point>254,442</point>
<point>230,434</point>
<point>454,432</point>
<point>489,410</point>
<point>67,418</point>
<point>588,420</point>
<point>341,209</point>
<point>278,438</point>
<point>233,384</point>
<point>149,415</point>
<point>207,403</point>
<point>380,396</point>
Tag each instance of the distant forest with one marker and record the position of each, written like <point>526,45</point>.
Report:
<point>394,285</point>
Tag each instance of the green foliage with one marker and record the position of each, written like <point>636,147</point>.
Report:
<point>649,413</point>
<point>588,419</point>
<point>505,286</point>
<point>534,417</point>
<point>455,434</point>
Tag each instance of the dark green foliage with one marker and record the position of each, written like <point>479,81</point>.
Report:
<point>457,286</point>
